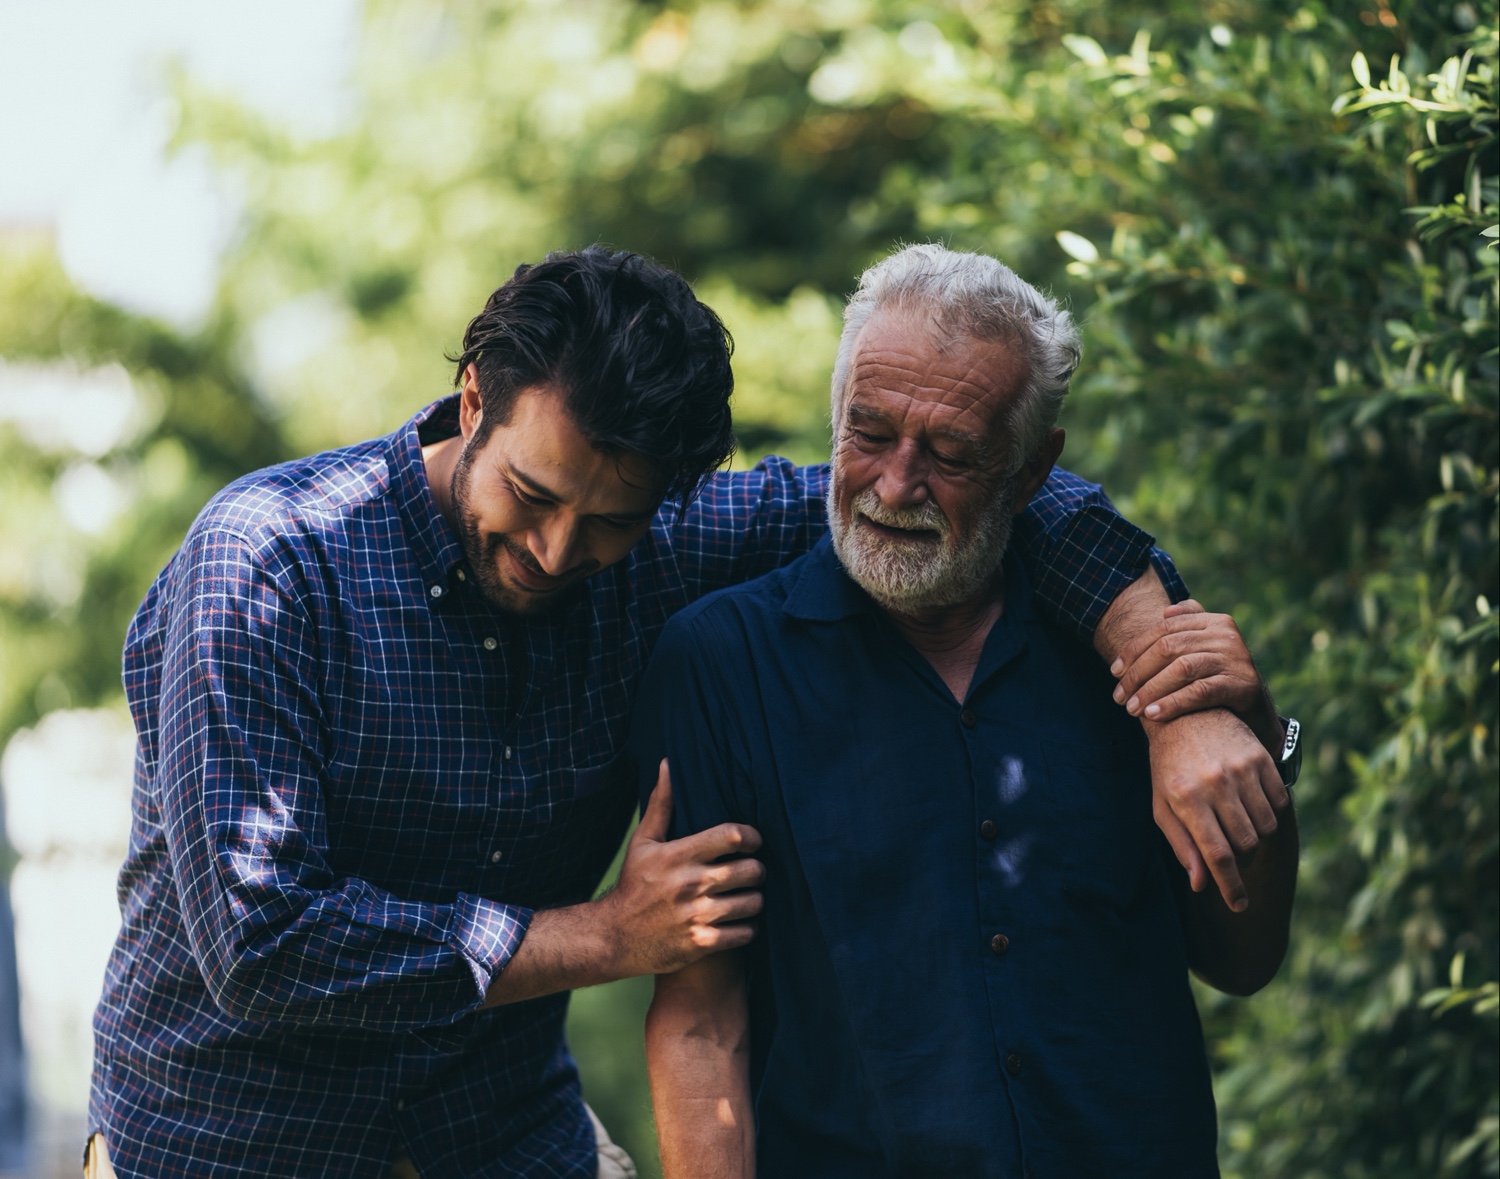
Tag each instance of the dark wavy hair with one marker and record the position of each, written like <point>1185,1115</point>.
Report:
<point>642,365</point>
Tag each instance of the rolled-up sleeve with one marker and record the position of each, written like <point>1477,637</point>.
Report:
<point>1080,553</point>
<point>277,932</point>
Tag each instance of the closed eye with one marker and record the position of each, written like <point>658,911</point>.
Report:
<point>531,501</point>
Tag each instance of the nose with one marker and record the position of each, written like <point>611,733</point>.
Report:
<point>556,544</point>
<point>903,477</point>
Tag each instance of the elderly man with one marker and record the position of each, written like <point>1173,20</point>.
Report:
<point>381,695</point>
<point>976,948</point>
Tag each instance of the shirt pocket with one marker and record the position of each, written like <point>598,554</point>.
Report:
<point>567,855</point>
<point>591,780</point>
<point>1099,793</point>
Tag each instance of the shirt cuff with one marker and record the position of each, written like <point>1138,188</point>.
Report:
<point>1095,556</point>
<point>487,935</point>
<point>1171,580</point>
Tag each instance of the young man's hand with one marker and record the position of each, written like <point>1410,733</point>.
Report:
<point>1215,794</point>
<point>678,900</point>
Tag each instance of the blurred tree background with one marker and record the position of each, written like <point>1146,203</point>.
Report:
<point>1277,221</point>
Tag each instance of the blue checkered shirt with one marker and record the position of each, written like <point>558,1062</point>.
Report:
<point>355,783</point>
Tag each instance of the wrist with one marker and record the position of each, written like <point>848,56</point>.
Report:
<point>1265,723</point>
<point>602,941</point>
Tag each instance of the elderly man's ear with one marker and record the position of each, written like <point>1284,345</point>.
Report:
<point>1035,472</point>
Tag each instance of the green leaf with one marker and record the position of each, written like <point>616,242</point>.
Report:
<point>1077,246</point>
<point>1361,69</point>
<point>1086,49</point>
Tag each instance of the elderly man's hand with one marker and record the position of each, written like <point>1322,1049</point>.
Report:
<point>1191,661</point>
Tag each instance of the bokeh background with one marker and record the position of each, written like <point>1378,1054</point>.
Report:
<point>230,234</point>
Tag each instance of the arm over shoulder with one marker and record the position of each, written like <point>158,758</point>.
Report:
<point>1081,553</point>
<point>1079,550</point>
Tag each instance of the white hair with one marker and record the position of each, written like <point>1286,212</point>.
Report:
<point>977,297</point>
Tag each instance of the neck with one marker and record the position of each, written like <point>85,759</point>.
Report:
<point>440,459</point>
<point>951,638</point>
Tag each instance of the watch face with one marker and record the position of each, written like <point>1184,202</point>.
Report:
<point>1293,731</point>
<point>1290,765</point>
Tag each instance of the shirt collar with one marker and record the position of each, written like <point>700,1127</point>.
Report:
<point>437,550</point>
<point>824,592</point>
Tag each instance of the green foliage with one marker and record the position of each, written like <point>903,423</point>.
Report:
<point>66,595</point>
<point>1354,470</point>
<point>1277,222</point>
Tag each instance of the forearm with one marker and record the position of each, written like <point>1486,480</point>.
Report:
<point>1240,952</point>
<point>1136,610</point>
<point>353,957</point>
<point>698,1054</point>
<point>563,950</point>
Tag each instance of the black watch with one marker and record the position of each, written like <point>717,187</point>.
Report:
<point>1290,763</point>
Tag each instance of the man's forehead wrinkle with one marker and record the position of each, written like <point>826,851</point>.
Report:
<point>886,369</point>
<point>957,395</point>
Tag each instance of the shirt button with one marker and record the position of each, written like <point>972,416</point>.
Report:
<point>489,643</point>
<point>988,830</point>
<point>401,1103</point>
<point>495,857</point>
<point>461,576</point>
<point>967,718</point>
<point>507,753</point>
<point>436,591</point>
<point>999,944</point>
<point>1013,1065</point>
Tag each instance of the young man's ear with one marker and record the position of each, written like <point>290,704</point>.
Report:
<point>1036,471</point>
<point>470,407</point>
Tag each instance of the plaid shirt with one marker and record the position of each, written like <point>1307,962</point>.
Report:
<point>355,783</point>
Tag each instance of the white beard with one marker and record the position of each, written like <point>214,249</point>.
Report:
<point>924,572</point>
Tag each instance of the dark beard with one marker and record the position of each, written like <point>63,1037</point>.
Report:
<point>482,554</point>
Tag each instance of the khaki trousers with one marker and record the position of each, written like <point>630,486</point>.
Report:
<point>614,1163</point>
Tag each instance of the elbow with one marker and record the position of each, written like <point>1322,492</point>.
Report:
<point>701,1021</point>
<point>668,1024</point>
<point>240,993</point>
<point>1243,975</point>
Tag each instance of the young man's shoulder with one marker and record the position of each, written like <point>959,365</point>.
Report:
<point>300,497</point>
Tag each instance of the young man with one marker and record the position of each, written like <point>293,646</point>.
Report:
<point>381,696</point>
<point>975,951</point>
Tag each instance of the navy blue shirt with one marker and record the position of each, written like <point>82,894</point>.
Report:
<point>971,961</point>
<point>356,780</point>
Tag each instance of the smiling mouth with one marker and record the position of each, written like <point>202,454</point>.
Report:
<point>531,580</point>
<point>901,535</point>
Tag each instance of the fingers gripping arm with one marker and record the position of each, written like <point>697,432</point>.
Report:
<point>1191,660</point>
<point>1215,788</point>
<point>674,903</point>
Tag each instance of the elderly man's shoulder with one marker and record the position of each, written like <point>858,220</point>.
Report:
<point>732,621</point>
